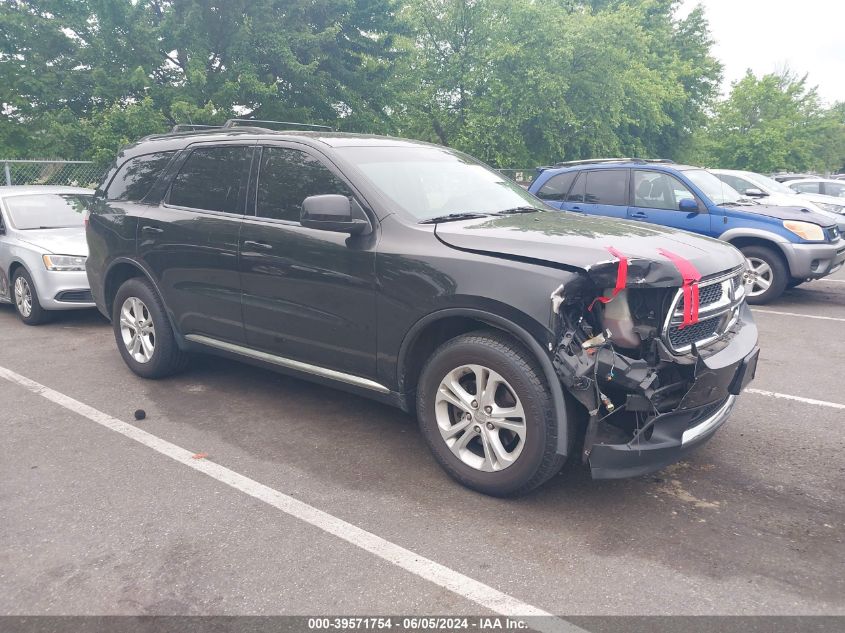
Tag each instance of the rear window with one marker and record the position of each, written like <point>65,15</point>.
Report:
<point>211,179</point>
<point>557,187</point>
<point>607,186</point>
<point>137,176</point>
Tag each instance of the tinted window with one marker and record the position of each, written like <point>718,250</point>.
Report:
<point>287,177</point>
<point>136,177</point>
<point>210,179</point>
<point>557,187</point>
<point>607,186</point>
<point>47,210</point>
<point>658,191</point>
<point>805,187</point>
<point>576,194</point>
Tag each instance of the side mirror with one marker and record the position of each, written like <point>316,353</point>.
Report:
<point>688,205</point>
<point>331,212</point>
<point>754,193</point>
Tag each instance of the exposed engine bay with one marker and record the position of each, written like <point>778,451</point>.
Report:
<point>630,355</point>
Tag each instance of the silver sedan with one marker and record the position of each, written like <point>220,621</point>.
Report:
<point>43,250</point>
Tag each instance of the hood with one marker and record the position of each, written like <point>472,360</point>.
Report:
<point>820,197</point>
<point>65,241</point>
<point>796,200</point>
<point>580,242</point>
<point>781,213</point>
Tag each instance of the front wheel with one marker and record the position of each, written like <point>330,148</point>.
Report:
<point>766,275</point>
<point>143,332</point>
<point>26,299</point>
<point>487,415</point>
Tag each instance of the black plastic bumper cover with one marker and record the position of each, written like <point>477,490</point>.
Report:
<point>720,378</point>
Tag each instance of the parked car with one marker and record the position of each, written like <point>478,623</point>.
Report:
<point>769,191</point>
<point>43,250</point>
<point>786,177</point>
<point>783,246</point>
<point>829,194</point>
<point>413,274</point>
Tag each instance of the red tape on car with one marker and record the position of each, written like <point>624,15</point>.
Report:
<point>621,278</point>
<point>691,277</point>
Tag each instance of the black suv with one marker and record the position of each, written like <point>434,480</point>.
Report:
<point>414,274</point>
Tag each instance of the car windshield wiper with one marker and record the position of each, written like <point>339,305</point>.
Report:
<point>450,217</point>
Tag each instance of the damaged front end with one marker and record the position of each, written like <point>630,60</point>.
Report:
<point>655,382</point>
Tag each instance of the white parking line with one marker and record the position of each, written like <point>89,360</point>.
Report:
<point>456,582</point>
<point>786,396</point>
<point>796,314</point>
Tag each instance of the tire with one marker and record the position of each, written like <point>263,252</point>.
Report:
<point>25,299</point>
<point>143,332</point>
<point>529,451</point>
<point>764,264</point>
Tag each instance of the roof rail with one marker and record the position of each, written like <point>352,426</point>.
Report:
<point>190,127</point>
<point>233,123</point>
<point>251,122</point>
<point>591,161</point>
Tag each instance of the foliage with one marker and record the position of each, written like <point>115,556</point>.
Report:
<point>775,123</point>
<point>515,82</point>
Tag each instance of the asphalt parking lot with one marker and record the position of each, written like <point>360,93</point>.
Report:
<point>96,521</point>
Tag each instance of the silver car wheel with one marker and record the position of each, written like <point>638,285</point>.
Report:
<point>23,297</point>
<point>137,329</point>
<point>480,418</point>
<point>758,276</point>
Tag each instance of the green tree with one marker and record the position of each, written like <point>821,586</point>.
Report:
<point>521,82</point>
<point>774,123</point>
<point>64,63</point>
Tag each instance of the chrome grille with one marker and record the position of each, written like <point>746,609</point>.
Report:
<point>719,300</point>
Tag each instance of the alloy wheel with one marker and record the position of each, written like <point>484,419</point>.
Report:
<point>23,297</point>
<point>137,329</point>
<point>758,276</point>
<point>480,417</point>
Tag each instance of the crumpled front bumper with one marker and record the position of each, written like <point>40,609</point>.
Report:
<point>720,378</point>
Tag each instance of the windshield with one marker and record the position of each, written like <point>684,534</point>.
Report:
<point>719,192</point>
<point>431,182</point>
<point>47,210</point>
<point>767,184</point>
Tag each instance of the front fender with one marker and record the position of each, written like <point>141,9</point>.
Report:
<point>563,411</point>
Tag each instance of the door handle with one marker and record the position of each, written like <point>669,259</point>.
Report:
<point>639,215</point>
<point>576,208</point>
<point>151,229</point>
<point>261,245</point>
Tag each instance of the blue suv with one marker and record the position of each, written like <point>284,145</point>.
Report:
<point>783,246</point>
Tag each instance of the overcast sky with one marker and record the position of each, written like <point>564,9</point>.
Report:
<point>766,35</point>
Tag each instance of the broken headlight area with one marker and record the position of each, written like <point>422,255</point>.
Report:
<point>633,363</point>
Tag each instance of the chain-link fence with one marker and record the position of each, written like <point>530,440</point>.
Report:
<point>77,173</point>
<point>523,177</point>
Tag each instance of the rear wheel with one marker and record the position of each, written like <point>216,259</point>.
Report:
<point>766,276</point>
<point>143,332</point>
<point>487,415</point>
<point>26,299</point>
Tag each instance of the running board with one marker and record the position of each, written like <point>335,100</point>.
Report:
<point>288,363</point>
